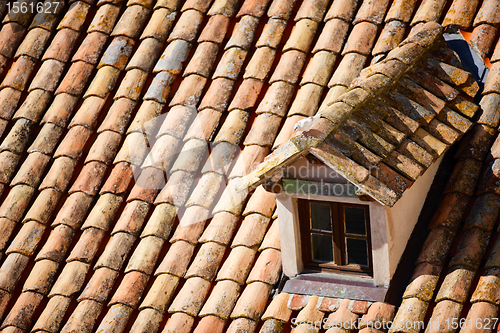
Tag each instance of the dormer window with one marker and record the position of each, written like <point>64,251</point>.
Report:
<point>335,236</point>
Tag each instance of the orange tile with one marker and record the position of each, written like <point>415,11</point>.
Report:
<point>27,239</point>
<point>21,313</point>
<point>215,29</point>
<point>90,179</point>
<point>18,74</point>
<point>210,324</point>
<point>104,19</point>
<point>50,318</point>
<point>130,290</point>
<point>61,46</point>
<point>252,301</point>
<point>11,36</point>
<point>237,265</point>
<point>179,323</point>
<point>191,296</point>
<point>253,8</point>
<point>278,309</point>
<point>218,95</point>
<point>60,110</point>
<point>187,26</point>
<point>132,218</point>
<point>400,10</point>
<point>16,202</point>
<point>87,246</point>
<point>222,299</point>
<point>145,255</point>
<point>160,24</point>
<point>91,47</point>
<point>148,320</point>
<point>57,245</point>
<point>6,229</point>
<point>281,10</point>
<point>460,14</point>
<point>100,285</point>
<point>103,213</point>
<point>116,251</point>
<point>131,22</point>
<point>83,317</point>
<point>71,279</point>
<point>116,318</point>
<point>33,44</point>
<point>118,116</point>
<point>177,259</point>
<point>147,185</point>
<point>119,179</point>
<point>161,293</point>
<point>75,16</point>
<point>289,67</point>
<point>480,312</point>
<point>74,210</point>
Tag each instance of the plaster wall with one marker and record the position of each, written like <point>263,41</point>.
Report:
<point>402,217</point>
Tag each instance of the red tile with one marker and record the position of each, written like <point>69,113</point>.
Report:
<point>76,79</point>
<point>73,143</point>
<point>119,179</point>
<point>361,39</point>
<point>132,218</point>
<point>74,210</point>
<point>57,245</point>
<point>100,285</point>
<point>91,48</point>
<point>298,302</point>
<point>215,30</point>
<point>198,5</point>
<point>87,246</point>
<point>207,261</point>
<point>289,67</point>
<point>19,73</point>
<point>218,95</point>
<point>104,148</point>
<point>61,46</point>
<point>90,179</point>
<point>11,36</point>
<point>190,297</point>
<point>21,313</point>
<point>147,185</point>
<point>281,9</point>
<point>187,26</point>
<point>313,10</point>
<point>58,113</point>
<point>254,8</point>
<point>130,290</point>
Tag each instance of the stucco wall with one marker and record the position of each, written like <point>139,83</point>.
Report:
<point>402,217</point>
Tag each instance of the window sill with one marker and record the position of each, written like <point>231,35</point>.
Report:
<point>336,285</point>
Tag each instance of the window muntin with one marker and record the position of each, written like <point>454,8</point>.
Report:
<point>335,236</point>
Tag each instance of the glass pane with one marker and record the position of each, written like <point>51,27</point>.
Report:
<point>357,252</point>
<point>322,247</point>
<point>321,217</point>
<point>355,220</point>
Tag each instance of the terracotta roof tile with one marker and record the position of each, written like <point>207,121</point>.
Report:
<point>31,170</point>
<point>281,9</point>
<point>179,322</point>
<point>250,305</point>
<point>6,230</point>
<point>479,312</point>
<point>243,33</point>
<point>9,98</point>
<point>451,211</point>
<point>215,29</point>
<point>474,143</point>
<point>73,143</point>
<point>22,311</point>
<point>132,85</point>
<point>371,11</point>
<point>18,74</point>
<point>187,26</point>
<point>8,163</point>
<point>34,43</point>
<point>191,296</point>
<point>16,202</point>
<point>131,22</point>
<point>87,246</point>
<point>443,311</point>
<point>217,95</point>
<point>73,210</point>
<point>119,179</point>
<point>17,139</point>
<point>145,255</point>
<point>49,319</point>
<point>361,39</point>
<point>456,285</point>
<point>260,63</point>
<point>100,285</point>
<point>220,229</point>
<point>159,88</point>
<point>401,10</point>
<point>271,34</point>
<point>222,299</point>
<point>132,217</point>
<point>118,116</point>
<point>238,264</point>
<point>70,279</point>
<point>191,225</point>
<point>230,64</point>
<point>103,82</point>
<point>306,101</point>
<point>189,91</point>
<point>34,105</point>
<point>59,111</point>
<point>160,293</point>
<point>144,3</point>
<point>464,177</point>
<point>312,9</point>
<point>83,316</point>
<point>43,206</point>
<point>461,14</point>
<point>116,318</point>
<point>349,68</point>
<point>483,38</point>
<point>117,53</point>
<point>46,20</point>
<point>487,290</point>
<point>11,36</point>
<point>203,59</point>
<point>267,267</point>
<point>177,259</point>
<point>302,36</point>
<point>75,16</point>
<point>57,245</point>
<point>159,25</point>
<point>116,251</point>
<point>251,231</point>
<point>26,239</point>
<point>436,247</point>
<point>104,19</point>
<point>390,37</point>
<point>487,13</point>
<point>289,67</point>
<point>170,4</point>
<point>332,36</point>
<point>90,179</point>
<point>199,5</point>
<point>130,289</point>
<point>471,247</point>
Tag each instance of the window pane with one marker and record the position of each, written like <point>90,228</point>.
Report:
<point>355,220</point>
<point>357,252</point>
<point>320,217</point>
<point>322,247</point>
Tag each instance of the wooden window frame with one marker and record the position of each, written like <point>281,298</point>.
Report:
<point>339,236</point>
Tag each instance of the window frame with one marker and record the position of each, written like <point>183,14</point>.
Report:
<point>338,238</point>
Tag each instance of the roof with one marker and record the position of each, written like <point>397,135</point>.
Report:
<point>97,103</point>
<point>393,121</point>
